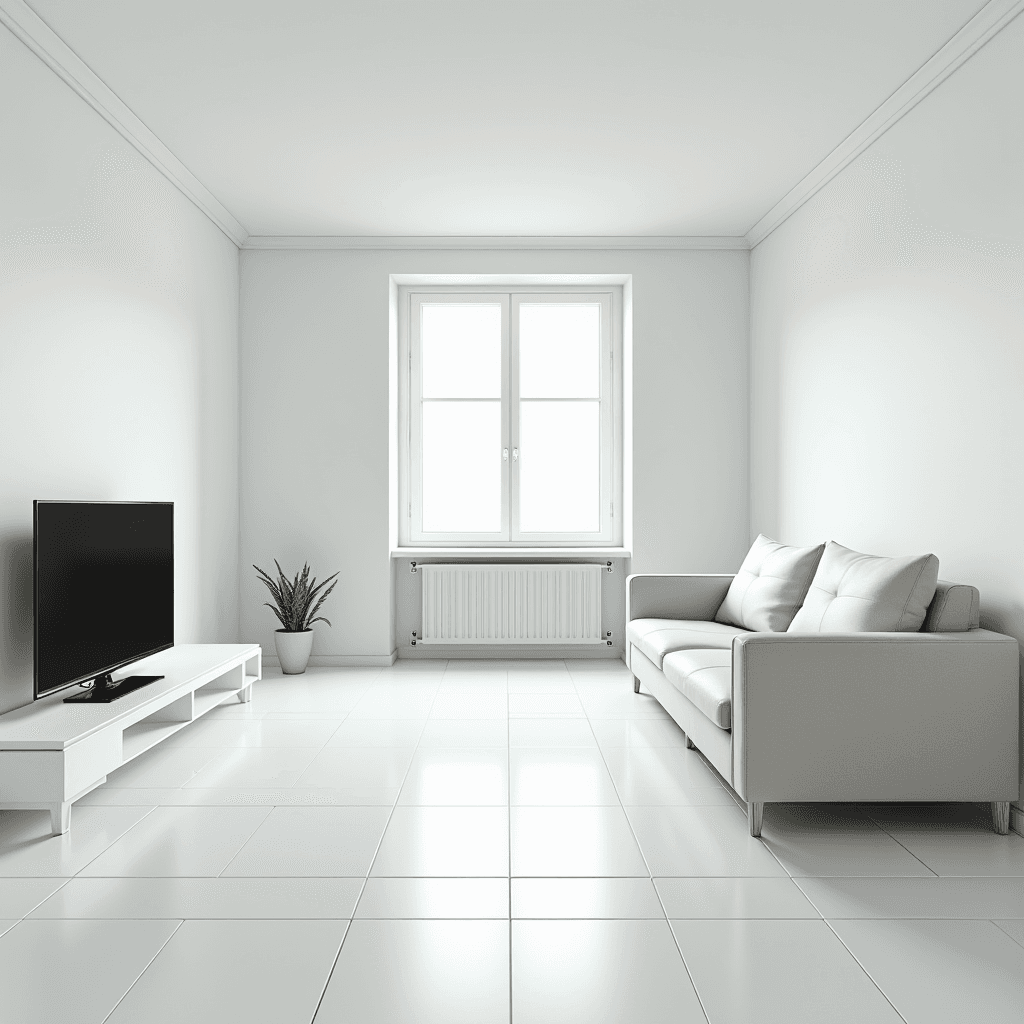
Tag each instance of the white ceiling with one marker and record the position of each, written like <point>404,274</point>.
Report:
<point>503,117</point>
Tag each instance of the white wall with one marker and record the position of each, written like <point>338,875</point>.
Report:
<point>887,344</point>
<point>118,353</point>
<point>314,457</point>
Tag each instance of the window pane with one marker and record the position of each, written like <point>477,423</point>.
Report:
<point>559,467</point>
<point>461,467</point>
<point>460,350</point>
<point>560,350</point>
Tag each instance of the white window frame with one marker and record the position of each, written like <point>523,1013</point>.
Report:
<point>511,296</point>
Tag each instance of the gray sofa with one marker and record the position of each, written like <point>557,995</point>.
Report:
<point>930,715</point>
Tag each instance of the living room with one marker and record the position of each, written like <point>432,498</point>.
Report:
<point>811,218</point>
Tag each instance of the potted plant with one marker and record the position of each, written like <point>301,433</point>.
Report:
<point>296,603</point>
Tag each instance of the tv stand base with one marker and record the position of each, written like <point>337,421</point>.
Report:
<point>104,689</point>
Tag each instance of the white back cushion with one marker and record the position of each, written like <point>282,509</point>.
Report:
<point>856,593</point>
<point>770,586</point>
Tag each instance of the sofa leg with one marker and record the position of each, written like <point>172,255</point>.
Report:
<point>1001,816</point>
<point>636,685</point>
<point>690,745</point>
<point>755,814</point>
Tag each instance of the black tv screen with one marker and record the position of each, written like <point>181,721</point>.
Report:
<point>103,587</point>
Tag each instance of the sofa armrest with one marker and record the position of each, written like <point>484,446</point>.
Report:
<point>675,596</point>
<point>875,716</point>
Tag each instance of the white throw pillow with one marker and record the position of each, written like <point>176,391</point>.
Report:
<point>769,587</point>
<point>855,593</point>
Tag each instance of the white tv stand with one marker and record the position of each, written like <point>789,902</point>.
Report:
<point>52,753</point>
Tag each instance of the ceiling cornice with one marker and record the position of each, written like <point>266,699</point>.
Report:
<point>502,242</point>
<point>991,19</point>
<point>27,26</point>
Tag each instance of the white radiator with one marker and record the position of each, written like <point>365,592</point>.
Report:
<point>511,604</point>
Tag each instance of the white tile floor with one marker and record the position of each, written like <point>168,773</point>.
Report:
<point>486,841</point>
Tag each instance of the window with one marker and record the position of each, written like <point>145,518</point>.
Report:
<point>511,427</point>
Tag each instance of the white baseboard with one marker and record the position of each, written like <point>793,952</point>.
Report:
<point>1017,819</point>
<point>341,660</point>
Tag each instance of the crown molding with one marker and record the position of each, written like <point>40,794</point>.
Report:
<point>497,242</point>
<point>990,20</point>
<point>28,27</point>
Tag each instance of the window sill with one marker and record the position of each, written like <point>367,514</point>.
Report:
<point>510,552</point>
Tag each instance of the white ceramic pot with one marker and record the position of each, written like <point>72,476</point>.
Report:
<point>293,650</point>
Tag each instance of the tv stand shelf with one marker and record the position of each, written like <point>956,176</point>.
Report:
<point>52,753</point>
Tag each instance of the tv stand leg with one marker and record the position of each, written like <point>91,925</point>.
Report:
<point>60,818</point>
<point>245,694</point>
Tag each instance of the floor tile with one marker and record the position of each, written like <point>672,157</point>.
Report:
<point>457,776</point>
<point>234,711</point>
<point>638,732</point>
<point>568,775</point>
<point>252,971</point>
<point>470,705</point>
<point>199,898</point>
<point>620,705</point>
<point>778,972</point>
<point>819,840</point>
<point>664,776</point>
<point>959,852</point>
<point>591,898</point>
<point>435,842</point>
<point>163,767</point>
<point>599,972</point>
<point>941,971</point>
<point>211,732</point>
<point>550,732</point>
<point>187,841</point>
<point>1015,929</point>
<point>300,842</point>
<point>465,732</point>
<point>734,898</point>
<point>541,682</point>
<point>357,767</point>
<point>980,898</point>
<point>541,705</point>
<point>227,796</point>
<point>274,732</point>
<point>28,847</point>
<point>396,705</point>
<point>574,842</point>
<point>375,732</point>
<point>465,898</point>
<point>262,732</point>
<point>48,969</point>
<point>20,896</point>
<point>253,768</point>
<point>452,972</point>
<point>307,702</point>
<point>700,842</point>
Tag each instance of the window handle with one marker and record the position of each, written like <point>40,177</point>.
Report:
<point>504,455</point>
<point>515,454</point>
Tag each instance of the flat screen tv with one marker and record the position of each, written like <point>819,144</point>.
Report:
<point>103,592</point>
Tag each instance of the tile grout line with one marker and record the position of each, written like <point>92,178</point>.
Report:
<point>650,876</point>
<point>885,831</point>
<point>867,973</point>
<point>152,959</point>
<point>355,906</point>
<point>1013,938</point>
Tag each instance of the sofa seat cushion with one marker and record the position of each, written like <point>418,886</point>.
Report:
<point>705,678</point>
<point>657,637</point>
